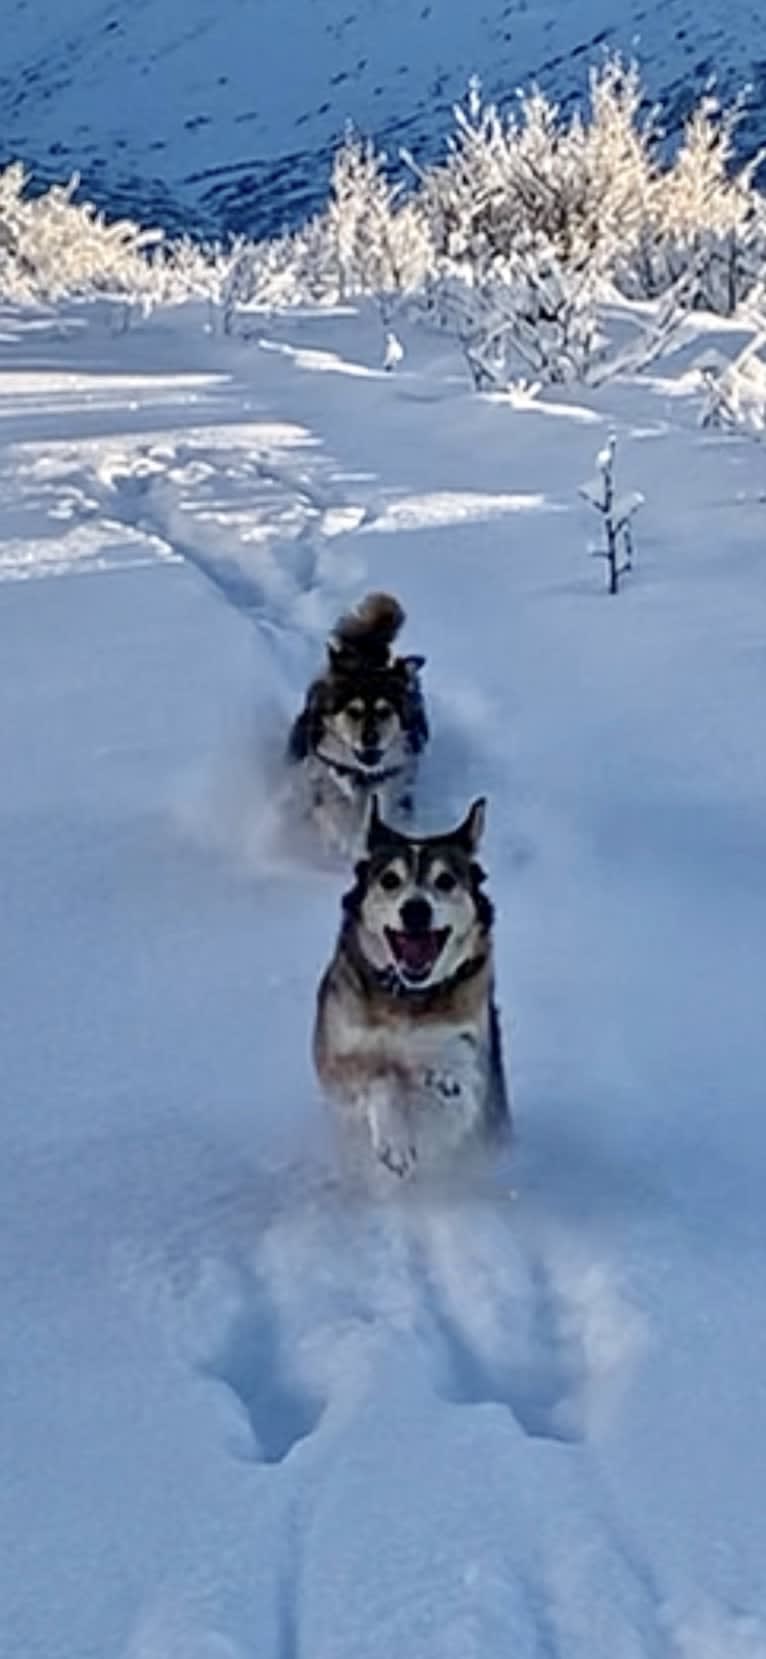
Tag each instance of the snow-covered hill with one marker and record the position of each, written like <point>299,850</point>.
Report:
<point>248,1411</point>
<point>192,113</point>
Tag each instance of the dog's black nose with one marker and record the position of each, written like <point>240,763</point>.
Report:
<point>371,756</point>
<point>417,916</point>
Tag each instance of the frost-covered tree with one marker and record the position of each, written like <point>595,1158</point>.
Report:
<point>706,218</point>
<point>528,216</point>
<point>376,242</point>
<point>269,275</point>
<point>577,188</point>
<point>517,240</point>
<point>187,270</point>
<point>52,247</point>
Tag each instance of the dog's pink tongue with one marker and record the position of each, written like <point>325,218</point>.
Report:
<point>416,951</point>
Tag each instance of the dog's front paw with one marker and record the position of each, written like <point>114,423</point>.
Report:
<point>397,1157</point>
<point>391,1136</point>
<point>443,1085</point>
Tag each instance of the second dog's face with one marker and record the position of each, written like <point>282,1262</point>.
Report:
<point>366,721</point>
<point>417,905</point>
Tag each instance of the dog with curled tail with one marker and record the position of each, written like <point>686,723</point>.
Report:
<point>362,727</point>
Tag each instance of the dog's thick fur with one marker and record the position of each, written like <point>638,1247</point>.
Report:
<point>362,725</point>
<point>407,1035</point>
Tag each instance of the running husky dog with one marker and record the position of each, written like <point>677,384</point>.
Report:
<point>363,724</point>
<point>407,1035</point>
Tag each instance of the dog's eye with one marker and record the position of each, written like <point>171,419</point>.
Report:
<point>382,710</point>
<point>445,883</point>
<point>390,881</point>
<point>355,711</point>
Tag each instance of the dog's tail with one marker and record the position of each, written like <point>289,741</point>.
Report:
<point>367,633</point>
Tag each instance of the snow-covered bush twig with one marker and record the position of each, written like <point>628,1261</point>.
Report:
<point>616,514</point>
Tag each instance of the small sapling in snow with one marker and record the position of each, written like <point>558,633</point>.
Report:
<point>617,514</point>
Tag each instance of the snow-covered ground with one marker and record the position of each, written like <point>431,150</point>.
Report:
<point>218,116</point>
<point>248,1410</point>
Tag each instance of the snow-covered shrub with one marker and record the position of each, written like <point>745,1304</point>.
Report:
<point>616,512</point>
<point>574,189</point>
<point>735,388</point>
<point>541,321</point>
<point>704,219</point>
<point>369,240</point>
<point>515,241</point>
<point>531,218</point>
<point>187,270</point>
<point>552,326</point>
<point>274,275</point>
<point>531,191</point>
<point>52,247</point>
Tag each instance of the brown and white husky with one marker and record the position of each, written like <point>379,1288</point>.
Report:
<point>407,1036</point>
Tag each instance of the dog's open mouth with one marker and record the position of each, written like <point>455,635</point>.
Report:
<point>369,759</point>
<point>416,954</point>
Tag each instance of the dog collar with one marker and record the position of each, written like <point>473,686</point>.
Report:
<point>356,773</point>
<point>389,980</point>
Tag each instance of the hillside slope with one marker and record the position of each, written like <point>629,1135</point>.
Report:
<point>210,117</point>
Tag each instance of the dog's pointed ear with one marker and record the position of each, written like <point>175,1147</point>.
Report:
<point>412,667</point>
<point>470,832</point>
<point>351,900</point>
<point>298,741</point>
<point>306,731</point>
<point>380,834</point>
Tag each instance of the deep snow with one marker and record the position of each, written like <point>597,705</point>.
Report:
<point>248,1411</point>
<point>213,117</point>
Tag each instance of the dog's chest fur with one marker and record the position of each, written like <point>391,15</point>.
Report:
<point>339,801</point>
<point>421,1059</point>
<point>448,1062</point>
